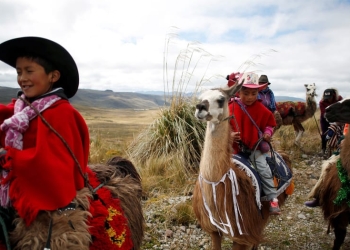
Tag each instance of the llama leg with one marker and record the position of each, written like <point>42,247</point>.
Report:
<point>236,246</point>
<point>340,223</point>
<point>215,241</point>
<point>340,234</point>
<point>296,131</point>
<point>300,133</point>
<point>300,130</point>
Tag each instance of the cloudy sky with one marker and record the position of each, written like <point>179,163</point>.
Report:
<point>138,45</point>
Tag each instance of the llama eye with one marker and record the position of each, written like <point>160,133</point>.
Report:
<point>221,102</point>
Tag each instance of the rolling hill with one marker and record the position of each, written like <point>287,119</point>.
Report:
<point>102,99</point>
<point>115,100</point>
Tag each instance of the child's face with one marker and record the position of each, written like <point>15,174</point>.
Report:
<point>32,78</point>
<point>248,96</point>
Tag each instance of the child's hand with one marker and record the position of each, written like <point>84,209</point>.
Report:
<point>267,137</point>
<point>236,136</point>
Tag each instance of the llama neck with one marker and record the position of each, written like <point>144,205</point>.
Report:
<point>216,152</point>
<point>311,105</point>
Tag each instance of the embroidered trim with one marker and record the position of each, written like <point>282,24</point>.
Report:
<point>250,174</point>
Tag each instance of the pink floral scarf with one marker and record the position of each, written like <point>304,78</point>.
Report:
<point>15,126</point>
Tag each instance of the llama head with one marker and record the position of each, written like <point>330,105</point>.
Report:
<point>310,90</point>
<point>339,111</point>
<point>213,105</point>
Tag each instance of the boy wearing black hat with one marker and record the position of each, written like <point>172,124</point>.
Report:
<point>37,172</point>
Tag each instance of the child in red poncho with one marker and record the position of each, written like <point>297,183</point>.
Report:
<point>253,121</point>
<point>38,172</point>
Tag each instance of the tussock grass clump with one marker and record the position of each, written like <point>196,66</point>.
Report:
<point>176,134</point>
<point>163,175</point>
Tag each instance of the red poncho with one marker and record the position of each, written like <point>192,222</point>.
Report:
<point>44,175</point>
<point>249,133</point>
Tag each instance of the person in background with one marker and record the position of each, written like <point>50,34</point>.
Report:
<point>253,122</point>
<point>329,97</point>
<point>333,136</point>
<point>267,97</point>
<point>233,78</point>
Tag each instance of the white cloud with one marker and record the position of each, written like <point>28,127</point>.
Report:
<point>121,46</point>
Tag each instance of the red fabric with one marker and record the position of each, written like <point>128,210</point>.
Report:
<point>346,129</point>
<point>324,104</point>
<point>2,246</point>
<point>44,175</point>
<point>249,133</point>
<point>232,78</point>
<point>284,107</point>
<point>6,111</point>
<point>108,226</point>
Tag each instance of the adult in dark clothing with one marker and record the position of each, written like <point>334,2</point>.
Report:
<point>329,97</point>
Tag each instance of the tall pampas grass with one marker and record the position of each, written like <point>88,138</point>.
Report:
<point>175,136</point>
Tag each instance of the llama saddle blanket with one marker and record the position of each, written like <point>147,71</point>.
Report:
<point>280,170</point>
<point>291,108</point>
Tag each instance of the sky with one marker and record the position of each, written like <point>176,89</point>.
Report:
<point>162,45</point>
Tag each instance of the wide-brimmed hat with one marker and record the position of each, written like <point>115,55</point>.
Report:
<point>263,79</point>
<point>48,50</point>
<point>251,81</point>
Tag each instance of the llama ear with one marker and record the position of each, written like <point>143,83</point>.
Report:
<point>234,89</point>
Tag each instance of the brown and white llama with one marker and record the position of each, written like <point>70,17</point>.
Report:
<point>224,198</point>
<point>294,113</point>
<point>71,228</point>
<point>338,216</point>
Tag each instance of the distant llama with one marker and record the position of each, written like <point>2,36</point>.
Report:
<point>337,215</point>
<point>294,113</point>
<point>228,192</point>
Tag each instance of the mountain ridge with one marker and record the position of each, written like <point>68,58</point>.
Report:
<point>116,100</point>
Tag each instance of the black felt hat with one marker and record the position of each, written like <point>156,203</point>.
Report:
<point>48,50</point>
<point>263,79</point>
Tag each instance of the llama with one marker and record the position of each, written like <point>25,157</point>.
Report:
<point>88,224</point>
<point>294,113</point>
<point>223,188</point>
<point>338,216</point>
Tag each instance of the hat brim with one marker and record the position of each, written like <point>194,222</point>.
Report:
<point>261,83</point>
<point>254,86</point>
<point>48,50</point>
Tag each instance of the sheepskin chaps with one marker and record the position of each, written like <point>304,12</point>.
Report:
<point>80,227</point>
<point>69,229</point>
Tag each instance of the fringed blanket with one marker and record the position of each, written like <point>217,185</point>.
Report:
<point>281,172</point>
<point>291,108</point>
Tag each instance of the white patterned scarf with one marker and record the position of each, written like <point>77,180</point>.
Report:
<point>15,126</point>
